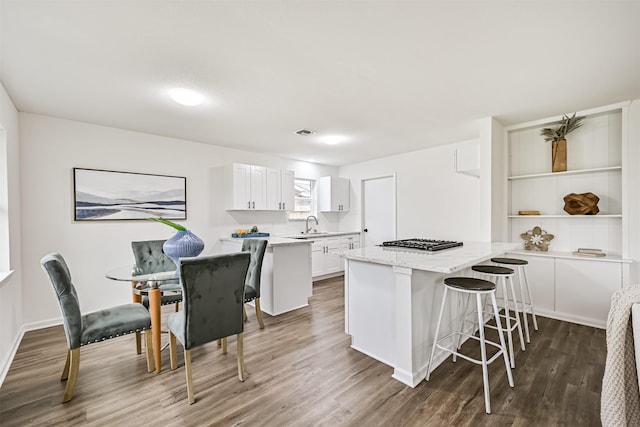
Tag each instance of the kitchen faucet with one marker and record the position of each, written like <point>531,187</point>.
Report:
<point>307,226</point>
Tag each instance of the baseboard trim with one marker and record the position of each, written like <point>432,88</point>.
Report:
<point>6,364</point>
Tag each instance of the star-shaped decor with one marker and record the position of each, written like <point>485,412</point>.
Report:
<point>537,239</point>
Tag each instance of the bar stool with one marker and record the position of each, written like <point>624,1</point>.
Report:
<point>479,288</point>
<point>522,278</point>
<point>505,273</point>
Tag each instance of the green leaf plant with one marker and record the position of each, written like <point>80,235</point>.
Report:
<point>169,223</point>
<point>567,125</point>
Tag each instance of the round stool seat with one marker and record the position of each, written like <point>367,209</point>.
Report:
<point>469,284</point>
<point>492,269</point>
<point>510,261</point>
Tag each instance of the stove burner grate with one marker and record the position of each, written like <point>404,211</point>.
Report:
<point>423,244</point>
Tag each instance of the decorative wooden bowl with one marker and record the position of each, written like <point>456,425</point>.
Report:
<point>581,204</point>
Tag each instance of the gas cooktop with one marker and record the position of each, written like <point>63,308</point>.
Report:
<point>423,244</point>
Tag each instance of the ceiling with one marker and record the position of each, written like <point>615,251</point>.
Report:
<point>391,76</point>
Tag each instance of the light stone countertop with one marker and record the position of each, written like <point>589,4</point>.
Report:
<point>321,235</point>
<point>273,240</point>
<point>445,261</point>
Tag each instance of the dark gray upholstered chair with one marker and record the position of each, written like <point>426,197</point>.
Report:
<point>257,248</point>
<point>150,258</point>
<point>92,327</point>
<point>213,299</point>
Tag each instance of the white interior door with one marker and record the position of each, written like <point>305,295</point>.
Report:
<point>379,210</point>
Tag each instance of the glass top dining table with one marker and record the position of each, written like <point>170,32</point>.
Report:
<point>128,273</point>
<point>149,282</point>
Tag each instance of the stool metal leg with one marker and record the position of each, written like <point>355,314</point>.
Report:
<point>533,314</point>
<point>523,303</point>
<point>517,315</point>
<point>435,337</point>
<point>501,335</point>
<point>483,352</point>
<point>508,321</point>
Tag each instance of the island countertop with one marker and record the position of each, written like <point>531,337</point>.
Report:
<point>273,241</point>
<point>445,261</point>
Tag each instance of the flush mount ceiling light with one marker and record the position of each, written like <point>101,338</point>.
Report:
<point>186,97</point>
<point>333,139</point>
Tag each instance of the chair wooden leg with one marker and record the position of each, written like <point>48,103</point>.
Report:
<point>138,343</point>
<point>148,343</point>
<point>187,369</point>
<point>240,356</point>
<point>173,356</point>
<point>219,342</point>
<point>259,313</point>
<point>65,371</point>
<point>244,310</point>
<point>74,365</point>
<point>224,345</point>
<point>177,307</point>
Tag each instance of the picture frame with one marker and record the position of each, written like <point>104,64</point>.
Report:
<point>105,195</point>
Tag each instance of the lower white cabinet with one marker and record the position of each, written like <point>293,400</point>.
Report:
<point>350,241</point>
<point>324,256</point>
<point>574,290</point>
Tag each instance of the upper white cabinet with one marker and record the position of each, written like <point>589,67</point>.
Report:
<point>250,187</point>
<point>279,189</point>
<point>246,187</point>
<point>333,194</point>
<point>467,159</point>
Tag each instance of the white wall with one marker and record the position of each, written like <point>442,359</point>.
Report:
<point>52,147</point>
<point>433,201</point>
<point>11,316</point>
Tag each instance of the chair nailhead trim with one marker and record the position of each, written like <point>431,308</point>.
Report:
<point>111,336</point>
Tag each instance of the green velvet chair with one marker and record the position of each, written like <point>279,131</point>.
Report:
<point>93,327</point>
<point>213,298</point>
<point>150,258</point>
<point>257,248</point>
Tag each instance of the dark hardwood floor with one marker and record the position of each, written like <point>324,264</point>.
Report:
<point>302,372</point>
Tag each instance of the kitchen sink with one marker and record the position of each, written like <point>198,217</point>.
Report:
<point>309,235</point>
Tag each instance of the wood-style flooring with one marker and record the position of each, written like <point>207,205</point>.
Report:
<point>302,372</point>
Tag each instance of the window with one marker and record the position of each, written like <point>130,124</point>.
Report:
<point>303,199</point>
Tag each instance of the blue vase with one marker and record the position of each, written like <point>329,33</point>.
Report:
<point>183,244</point>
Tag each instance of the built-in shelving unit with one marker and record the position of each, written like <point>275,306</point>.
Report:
<point>595,164</point>
<point>568,286</point>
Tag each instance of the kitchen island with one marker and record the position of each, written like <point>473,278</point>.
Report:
<point>393,298</point>
<point>285,282</point>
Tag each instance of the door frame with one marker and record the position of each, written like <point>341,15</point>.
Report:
<point>395,203</point>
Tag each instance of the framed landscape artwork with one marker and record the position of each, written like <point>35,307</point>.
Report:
<point>101,195</point>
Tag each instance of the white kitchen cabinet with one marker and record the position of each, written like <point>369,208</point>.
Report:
<point>280,189</point>
<point>333,194</point>
<point>584,288</point>
<point>467,159</point>
<point>324,257</point>
<point>246,187</point>
<point>350,241</point>
<point>570,289</point>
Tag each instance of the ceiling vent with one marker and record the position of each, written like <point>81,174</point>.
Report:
<point>305,132</point>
